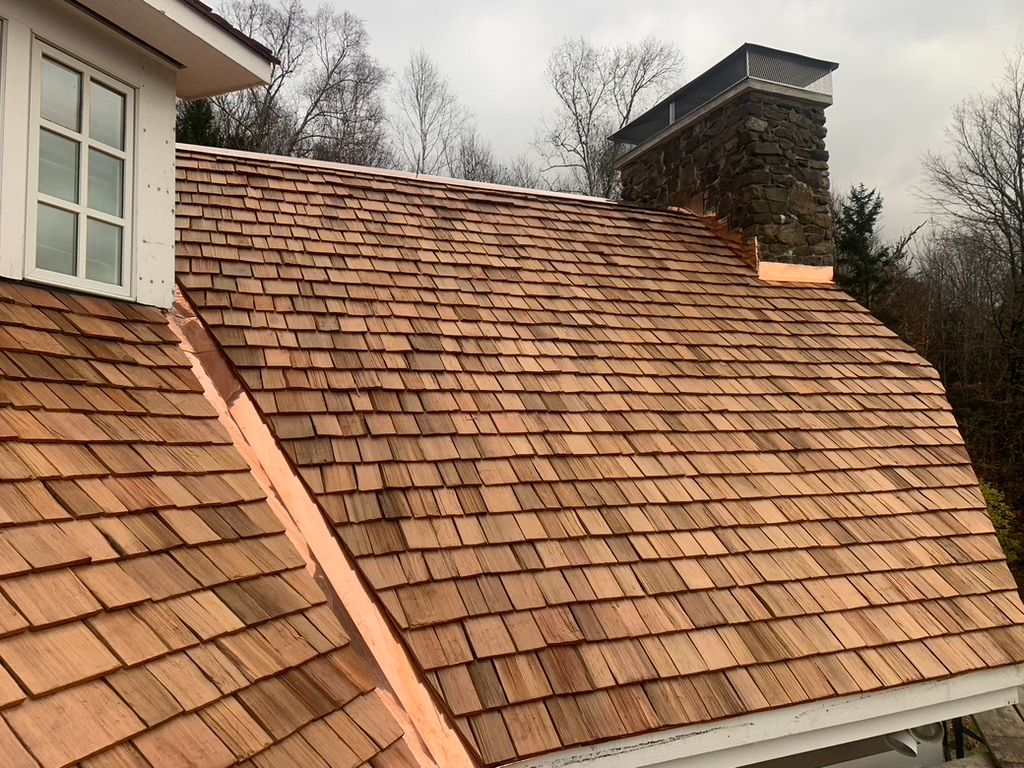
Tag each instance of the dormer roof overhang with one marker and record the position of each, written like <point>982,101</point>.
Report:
<point>212,56</point>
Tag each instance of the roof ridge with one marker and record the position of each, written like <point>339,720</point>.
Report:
<point>444,181</point>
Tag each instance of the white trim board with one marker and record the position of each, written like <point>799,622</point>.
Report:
<point>793,730</point>
<point>30,23</point>
<point>212,60</point>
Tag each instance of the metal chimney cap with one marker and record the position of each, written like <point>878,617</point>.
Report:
<point>748,62</point>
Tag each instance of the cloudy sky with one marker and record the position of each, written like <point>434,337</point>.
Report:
<point>904,64</point>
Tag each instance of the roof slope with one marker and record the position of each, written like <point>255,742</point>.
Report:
<point>152,611</point>
<point>604,480</point>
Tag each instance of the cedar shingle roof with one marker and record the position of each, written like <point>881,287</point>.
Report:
<point>602,478</point>
<point>152,610</point>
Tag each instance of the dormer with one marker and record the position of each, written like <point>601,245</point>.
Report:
<point>87,107</point>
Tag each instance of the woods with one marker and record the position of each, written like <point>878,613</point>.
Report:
<point>330,99</point>
<point>325,99</point>
<point>955,290</point>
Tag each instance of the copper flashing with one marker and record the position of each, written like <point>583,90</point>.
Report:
<point>438,744</point>
<point>779,272</point>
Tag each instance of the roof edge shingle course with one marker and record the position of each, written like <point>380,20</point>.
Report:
<point>435,182</point>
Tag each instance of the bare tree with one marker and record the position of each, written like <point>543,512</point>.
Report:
<point>436,135</point>
<point>521,172</point>
<point>475,161</point>
<point>951,313</point>
<point>325,96</point>
<point>963,305</point>
<point>979,187</point>
<point>599,90</point>
<point>430,120</point>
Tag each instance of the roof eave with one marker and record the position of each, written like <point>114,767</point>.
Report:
<point>798,729</point>
<point>213,57</point>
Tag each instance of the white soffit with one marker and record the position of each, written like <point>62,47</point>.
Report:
<point>212,58</point>
<point>794,730</point>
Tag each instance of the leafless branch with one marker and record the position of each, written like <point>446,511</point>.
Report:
<point>597,91</point>
<point>429,120</point>
<point>325,97</point>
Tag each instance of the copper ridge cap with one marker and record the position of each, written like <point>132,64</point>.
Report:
<point>367,171</point>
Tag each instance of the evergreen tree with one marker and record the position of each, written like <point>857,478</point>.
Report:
<point>866,268</point>
<point>862,268</point>
<point>195,124</point>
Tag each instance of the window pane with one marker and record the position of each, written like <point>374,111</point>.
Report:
<point>61,95</point>
<point>106,116</point>
<point>56,239</point>
<point>103,252</point>
<point>106,183</point>
<point>58,166</point>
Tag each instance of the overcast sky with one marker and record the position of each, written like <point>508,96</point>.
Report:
<point>903,65</point>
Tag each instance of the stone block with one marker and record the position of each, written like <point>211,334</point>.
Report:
<point>755,124</point>
<point>760,162</point>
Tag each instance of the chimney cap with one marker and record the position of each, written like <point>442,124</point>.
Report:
<point>748,62</point>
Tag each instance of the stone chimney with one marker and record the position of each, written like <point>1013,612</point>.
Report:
<point>745,141</point>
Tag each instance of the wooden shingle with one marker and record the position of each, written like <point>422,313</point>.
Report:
<point>602,478</point>
<point>125,512</point>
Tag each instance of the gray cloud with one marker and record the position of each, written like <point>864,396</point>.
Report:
<point>903,64</point>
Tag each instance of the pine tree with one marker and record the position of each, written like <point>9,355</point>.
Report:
<point>866,268</point>
<point>862,268</point>
<point>195,124</point>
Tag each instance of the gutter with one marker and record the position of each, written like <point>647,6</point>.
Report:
<point>790,731</point>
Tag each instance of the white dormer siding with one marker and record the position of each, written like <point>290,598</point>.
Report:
<point>87,109</point>
<point>67,231</point>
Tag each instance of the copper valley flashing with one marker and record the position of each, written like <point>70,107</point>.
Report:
<point>429,733</point>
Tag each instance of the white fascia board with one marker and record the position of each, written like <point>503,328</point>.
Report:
<point>212,61</point>
<point>226,44</point>
<point>794,730</point>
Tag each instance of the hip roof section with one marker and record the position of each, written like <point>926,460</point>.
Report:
<point>602,478</point>
<point>152,610</point>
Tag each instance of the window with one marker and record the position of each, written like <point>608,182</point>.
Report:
<point>80,212</point>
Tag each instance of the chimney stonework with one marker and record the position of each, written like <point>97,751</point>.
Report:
<point>753,154</point>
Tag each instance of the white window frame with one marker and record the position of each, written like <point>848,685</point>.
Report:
<point>79,281</point>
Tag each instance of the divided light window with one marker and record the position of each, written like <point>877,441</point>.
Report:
<point>81,211</point>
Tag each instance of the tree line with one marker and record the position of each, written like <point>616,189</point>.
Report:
<point>329,98</point>
<point>954,287</point>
